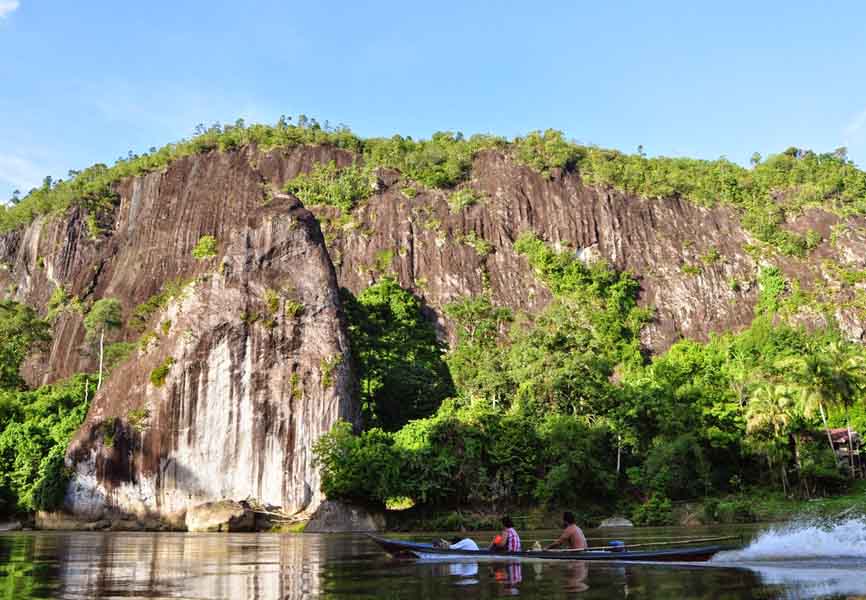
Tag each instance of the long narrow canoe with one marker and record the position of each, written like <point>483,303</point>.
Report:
<point>403,549</point>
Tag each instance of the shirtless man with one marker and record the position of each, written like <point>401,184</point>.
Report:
<point>572,536</point>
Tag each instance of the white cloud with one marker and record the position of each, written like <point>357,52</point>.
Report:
<point>857,124</point>
<point>7,7</point>
<point>20,173</point>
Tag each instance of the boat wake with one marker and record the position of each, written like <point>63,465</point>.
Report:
<point>807,559</point>
<point>804,540</point>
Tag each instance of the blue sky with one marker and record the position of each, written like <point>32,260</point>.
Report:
<point>86,81</point>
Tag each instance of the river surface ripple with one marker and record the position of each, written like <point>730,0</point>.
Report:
<point>265,566</point>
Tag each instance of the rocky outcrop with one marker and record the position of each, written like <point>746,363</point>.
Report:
<point>340,517</point>
<point>616,522</point>
<point>255,368</point>
<point>236,373</point>
<point>225,515</point>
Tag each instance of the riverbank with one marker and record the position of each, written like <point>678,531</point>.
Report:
<point>754,506</point>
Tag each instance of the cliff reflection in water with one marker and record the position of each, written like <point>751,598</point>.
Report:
<point>157,565</point>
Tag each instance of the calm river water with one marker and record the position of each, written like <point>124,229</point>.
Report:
<point>802,562</point>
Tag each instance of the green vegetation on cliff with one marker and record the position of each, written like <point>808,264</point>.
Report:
<point>764,195</point>
<point>561,408</point>
<point>399,359</point>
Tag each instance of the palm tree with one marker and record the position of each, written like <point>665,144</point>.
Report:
<point>814,372</point>
<point>834,376</point>
<point>850,376</point>
<point>772,407</point>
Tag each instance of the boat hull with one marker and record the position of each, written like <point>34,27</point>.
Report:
<point>401,549</point>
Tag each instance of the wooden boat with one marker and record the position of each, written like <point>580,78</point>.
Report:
<point>404,549</point>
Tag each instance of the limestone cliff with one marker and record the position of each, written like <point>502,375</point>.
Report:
<point>697,266</point>
<point>244,364</point>
<point>235,374</point>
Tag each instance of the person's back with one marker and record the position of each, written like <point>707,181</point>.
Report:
<point>572,536</point>
<point>576,539</point>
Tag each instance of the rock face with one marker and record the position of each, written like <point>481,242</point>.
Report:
<point>245,363</point>
<point>225,515</point>
<point>339,517</point>
<point>236,373</point>
<point>692,262</point>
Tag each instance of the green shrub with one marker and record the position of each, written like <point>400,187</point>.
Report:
<point>205,248</point>
<point>546,151</point>
<point>93,188</point>
<point>293,308</point>
<point>711,256</point>
<point>676,468</point>
<point>711,510</point>
<point>326,184</point>
<point>364,468</point>
<point>771,288</point>
<point>735,511</point>
<point>272,301</point>
<point>655,511</point>
<point>117,353</point>
<point>57,303</point>
<point>477,243</point>
<point>159,374</point>
<point>443,161</point>
<point>138,419</point>
<point>464,198</point>
<point>327,366</point>
<point>398,356</point>
<point>21,332</point>
<point>171,290</point>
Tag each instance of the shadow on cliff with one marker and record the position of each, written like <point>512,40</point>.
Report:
<point>120,455</point>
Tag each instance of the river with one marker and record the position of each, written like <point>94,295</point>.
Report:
<point>802,561</point>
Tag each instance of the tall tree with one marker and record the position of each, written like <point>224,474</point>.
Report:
<point>105,315</point>
<point>400,361</point>
<point>835,376</point>
<point>771,409</point>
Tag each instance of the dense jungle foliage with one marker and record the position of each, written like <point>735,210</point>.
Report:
<point>561,408</point>
<point>764,194</point>
<point>35,425</point>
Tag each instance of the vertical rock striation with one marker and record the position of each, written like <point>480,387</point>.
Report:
<point>233,379</point>
<point>255,366</point>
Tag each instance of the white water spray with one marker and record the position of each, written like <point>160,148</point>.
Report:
<point>804,541</point>
<point>807,560</point>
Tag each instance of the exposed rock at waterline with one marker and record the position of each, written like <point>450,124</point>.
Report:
<point>616,522</point>
<point>225,515</point>
<point>340,517</point>
<point>11,526</point>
